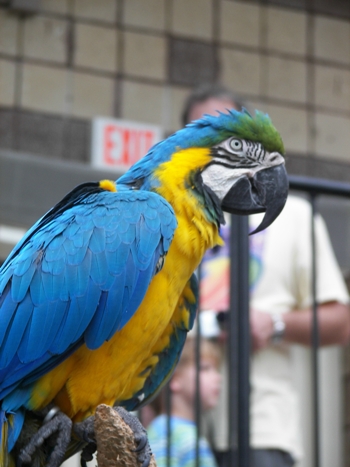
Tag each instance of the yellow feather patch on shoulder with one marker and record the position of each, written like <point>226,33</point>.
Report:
<point>196,233</point>
<point>108,185</point>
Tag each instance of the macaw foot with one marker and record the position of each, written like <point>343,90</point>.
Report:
<point>85,432</point>
<point>143,448</point>
<point>55,423</point>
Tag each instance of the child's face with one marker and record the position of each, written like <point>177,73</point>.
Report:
<point>209,380</point>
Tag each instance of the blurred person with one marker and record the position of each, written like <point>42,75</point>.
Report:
<point>280,311</point>
<point>182,388</point>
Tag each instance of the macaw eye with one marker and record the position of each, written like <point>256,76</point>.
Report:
<point>236,144</point>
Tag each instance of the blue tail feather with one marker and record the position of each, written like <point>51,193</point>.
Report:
<point>11,424</point>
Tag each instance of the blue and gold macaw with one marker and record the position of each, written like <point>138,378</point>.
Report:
<point>97,298</point>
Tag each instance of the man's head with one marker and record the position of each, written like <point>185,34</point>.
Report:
<point>208,99</point>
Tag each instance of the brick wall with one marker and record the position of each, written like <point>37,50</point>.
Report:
<point>137,59</point>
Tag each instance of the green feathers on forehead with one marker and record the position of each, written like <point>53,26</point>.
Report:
<point>257,128</point>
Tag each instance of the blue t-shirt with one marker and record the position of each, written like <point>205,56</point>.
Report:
<point>183,443</point>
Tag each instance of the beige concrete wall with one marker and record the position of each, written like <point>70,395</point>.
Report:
<point>80,58</point>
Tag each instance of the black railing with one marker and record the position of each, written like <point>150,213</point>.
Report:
<point>239,349</point>
<point>239,343</point>
<point>240,330</point>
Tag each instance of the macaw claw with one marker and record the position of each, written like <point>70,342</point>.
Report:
<point>85,431</point>
<point>87,454</point>
<point>55,423</point>
<point>143,448</point>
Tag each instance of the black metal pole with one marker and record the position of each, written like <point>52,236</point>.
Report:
<point>198,389</point>
<point>315,340</point>
<point>319,186</point>
<point>239,342</point>
<point>168,424</point>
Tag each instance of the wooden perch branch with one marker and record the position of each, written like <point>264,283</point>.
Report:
<point>115,440</point>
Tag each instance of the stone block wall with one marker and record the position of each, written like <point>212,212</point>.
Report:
<point>138,59</point>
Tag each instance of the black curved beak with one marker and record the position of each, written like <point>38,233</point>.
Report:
<point>265,192</point>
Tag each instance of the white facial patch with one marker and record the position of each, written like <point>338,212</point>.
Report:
<point>234,159</point>
<point>220,179</point>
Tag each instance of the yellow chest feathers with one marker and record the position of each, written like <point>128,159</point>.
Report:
<point>195,234</point>
<point>88,378</point>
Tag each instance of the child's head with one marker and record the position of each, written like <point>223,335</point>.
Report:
<point>183,382</point>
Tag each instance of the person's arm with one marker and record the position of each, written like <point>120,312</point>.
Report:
<point>334,325</point>
<point>333,319</point>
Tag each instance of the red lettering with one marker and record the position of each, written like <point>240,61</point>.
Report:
<point>125,146</point>
<point>113,144</point>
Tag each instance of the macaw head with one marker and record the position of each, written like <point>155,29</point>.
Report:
<point>234,162</point>
<point>257,179</point>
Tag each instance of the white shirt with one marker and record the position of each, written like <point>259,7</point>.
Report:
<point>281,282</point>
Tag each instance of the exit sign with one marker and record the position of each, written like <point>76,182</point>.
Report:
<point>118,144</point>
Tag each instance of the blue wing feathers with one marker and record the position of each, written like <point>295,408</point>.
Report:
<point>122,226</point>
<point>62,339</point>
<point>129,235</point>
<point>69,247</point>
<point>64,294</point>
<point>152,203</point>
<point>57,242</point>
<point>132,273</point>
<point>37,293</point>
<point>113,242</point>
<point>147,243</point>
<point>38,326</point>
<point>58,311</point>
<point>20,284</point>
<point>88,304</point>
<point>51,282</point>
<point>78,257</point>
<point>94,333</point>
<point>121,257</point>
<point>137,293</point>
<point>99,269</point>
<point>71,277</point>
<point>23,266</point>
<point>83,276</point>
<point>83,238</point>
<point>52,255</point>
<point>97,242</point>
<point>153,223</point>
<point>15,422</point>
<point>15,331</point>
<point>77,276</point>
<point>71,229</point>
<point>133,217</point>
<point>8,309</point>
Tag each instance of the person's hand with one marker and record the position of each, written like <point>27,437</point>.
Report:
<point>261,329</point>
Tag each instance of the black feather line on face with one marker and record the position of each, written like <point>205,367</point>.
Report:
<point>216,204</point>
<point>219,152</point>
<point>210,201</point>
<point>231,160</point>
